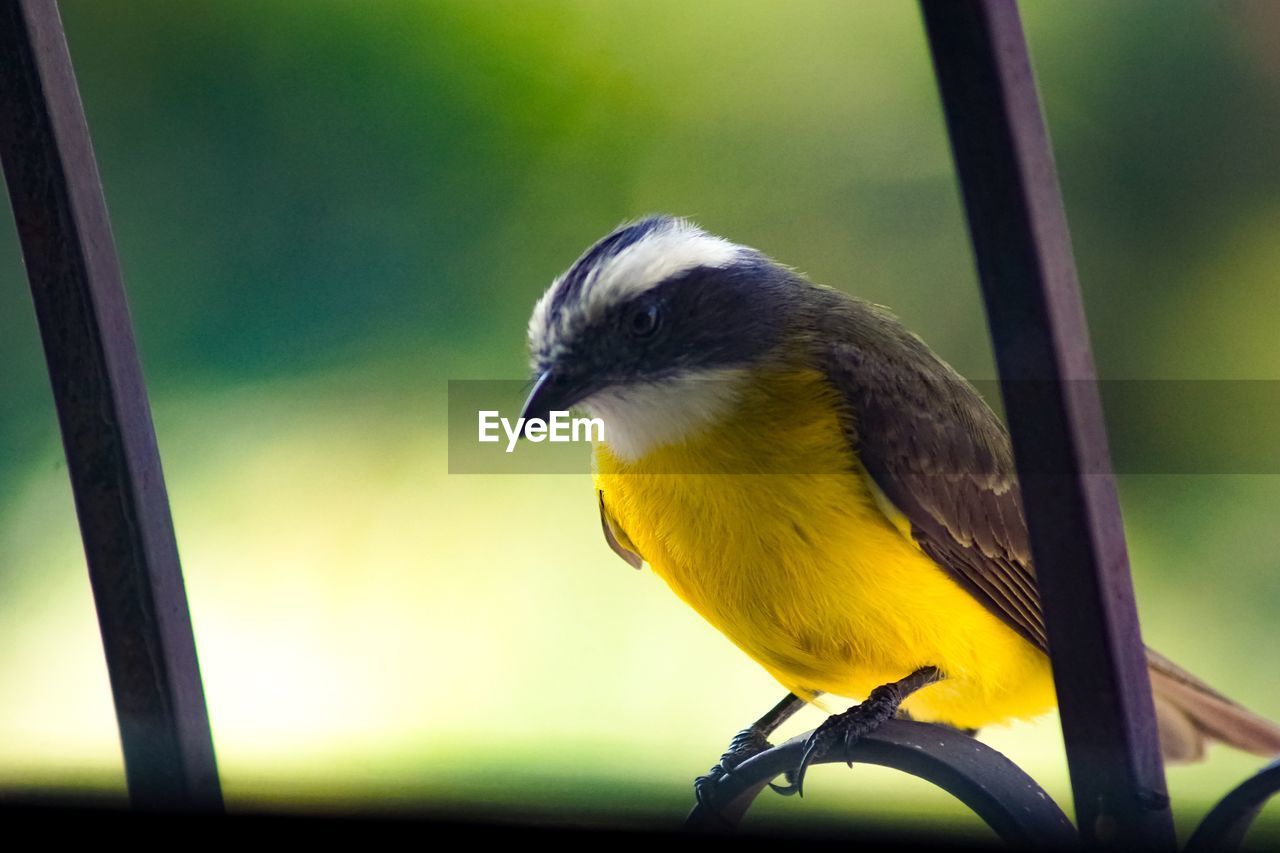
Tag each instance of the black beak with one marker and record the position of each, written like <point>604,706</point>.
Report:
<point>550,394</point>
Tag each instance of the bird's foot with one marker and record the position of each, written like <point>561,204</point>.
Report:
<point>842,731</point>
<point>791,788</point>
<point>746,744</point>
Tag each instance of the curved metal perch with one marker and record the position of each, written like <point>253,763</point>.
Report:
<point>1225,826</point>
<point>995,788</point>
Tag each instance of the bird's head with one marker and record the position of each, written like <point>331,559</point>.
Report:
<point>654,329</point>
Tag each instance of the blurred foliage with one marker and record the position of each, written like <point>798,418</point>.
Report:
<point>324,211</point>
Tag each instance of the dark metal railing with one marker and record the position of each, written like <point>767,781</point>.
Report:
<point>1038,329</point>
<point>102,408</point>
<point>992,786</point>
<point>1019,233</point>
<point>1224,827</point>
<point>1018,228</point>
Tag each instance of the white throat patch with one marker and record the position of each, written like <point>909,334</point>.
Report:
<point>641,418</point>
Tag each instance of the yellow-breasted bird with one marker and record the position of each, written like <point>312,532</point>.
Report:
<point>820,486</point>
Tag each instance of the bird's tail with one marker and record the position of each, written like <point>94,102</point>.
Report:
<point>1190,713</point>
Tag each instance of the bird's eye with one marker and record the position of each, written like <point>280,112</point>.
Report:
<point>644,321</point>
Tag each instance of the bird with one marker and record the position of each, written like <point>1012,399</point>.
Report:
<point>821,487</point>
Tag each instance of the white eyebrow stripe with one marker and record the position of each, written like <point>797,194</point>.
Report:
<point>540,322</point>
<point>652,260</point>
<point>670,248</point>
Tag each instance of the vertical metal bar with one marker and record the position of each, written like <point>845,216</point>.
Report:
<point>104,414</point>
<point>1019,233</point>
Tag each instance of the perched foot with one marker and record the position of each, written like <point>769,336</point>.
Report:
<point>747,743</point>
<point>843,730</point>
<point>791,788</point>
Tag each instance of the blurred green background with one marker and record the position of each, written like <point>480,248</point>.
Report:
<point>325,211</point>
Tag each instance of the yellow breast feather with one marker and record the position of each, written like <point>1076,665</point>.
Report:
<point>777,536</point>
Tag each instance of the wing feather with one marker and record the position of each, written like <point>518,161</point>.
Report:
<point>939,455</point>
<point>617,538</point>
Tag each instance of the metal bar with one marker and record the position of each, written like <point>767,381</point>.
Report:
<point>1020,239</point>
<point>995,788</point>
<point>104,415</point>
<point>1225,826</point>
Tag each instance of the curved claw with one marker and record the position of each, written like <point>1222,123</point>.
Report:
<point>702,788</point>
<point>810,749</point>
<point>700,792</point>
<point>788,790</point>
<point>745,744</point>
<point>703,785</point>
